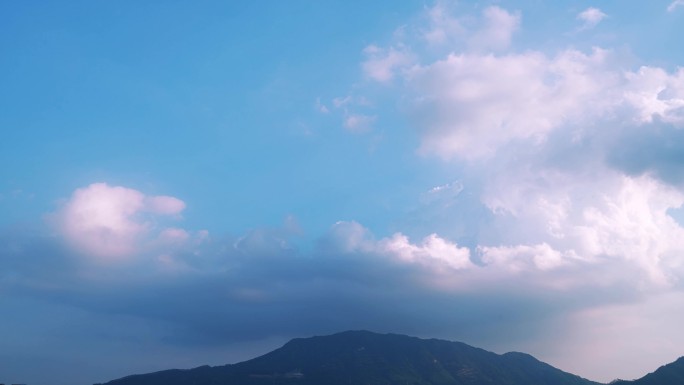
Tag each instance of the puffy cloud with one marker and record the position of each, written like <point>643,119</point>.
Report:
<point>552,144</point>
<point>591,17</point>
<point>433,252</point>
<point>113,222</point>
<point>555,149</point>
<point>468,105</point>
<point>473,101</point>
<point>656,94</point>
<point>497,30</point>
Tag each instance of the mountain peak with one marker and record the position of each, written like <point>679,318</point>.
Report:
<point>365,357</point>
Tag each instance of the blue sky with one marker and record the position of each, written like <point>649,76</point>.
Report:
<point>188,184</point>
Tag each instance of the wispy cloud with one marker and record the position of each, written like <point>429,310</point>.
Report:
<point>591,17</point>
<point>382,64</point>
<point>674,5</point>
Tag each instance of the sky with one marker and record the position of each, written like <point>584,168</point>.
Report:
<point>187,183</point>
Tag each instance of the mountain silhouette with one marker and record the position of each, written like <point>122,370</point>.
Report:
<point>367,358</point>
<point>670,374</point>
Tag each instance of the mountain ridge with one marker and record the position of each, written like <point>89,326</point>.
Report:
<point>364,357</point>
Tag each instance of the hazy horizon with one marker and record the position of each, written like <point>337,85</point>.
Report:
<point>190,183</point>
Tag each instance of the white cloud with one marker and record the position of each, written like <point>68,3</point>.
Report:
<point>383,64</point>
<point>468,105</point>
<point>591,17</point>
<point>653,92</point>
<point>522,257</point>
<point>110,222</point>
<point>164,205</point>
<point>532,132</point>
<point>674,5</point>
<point>497,30</point>
<point>633,224</point>
<point>433,252</point>
<point>590,217</point>
<point>443,27</point>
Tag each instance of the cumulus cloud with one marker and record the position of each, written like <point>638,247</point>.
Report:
<point>113,222</point>
<point>468,105</point>
<point>535,136</point>
<point>433,252</point>
<point>472,101</point>
<point>554,149</point>
<point>573,155</point>
<point>591,17</point>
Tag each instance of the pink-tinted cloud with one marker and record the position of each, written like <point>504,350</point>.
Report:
<point>164,205</point>
<point>112,222</point>
<point>591,17</point>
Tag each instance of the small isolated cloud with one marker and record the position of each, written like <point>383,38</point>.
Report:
<point>674,5</point>
<point>322,108</point>
<point>110,222</point>
<point>358,123</point>
<point>591,17</point>
<point>340,102</point>
<point>444,194</point>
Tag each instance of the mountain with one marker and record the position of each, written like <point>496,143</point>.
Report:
<point>361,357</point>
<point>670,374</point>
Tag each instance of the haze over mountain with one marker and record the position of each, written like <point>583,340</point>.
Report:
<point>362,357</point>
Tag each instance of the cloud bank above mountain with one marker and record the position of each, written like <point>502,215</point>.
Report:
<point>555,225</point>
